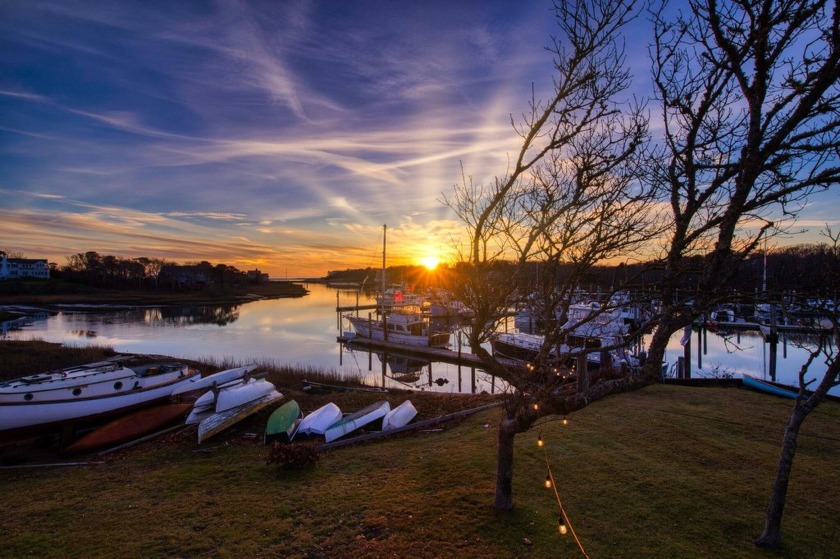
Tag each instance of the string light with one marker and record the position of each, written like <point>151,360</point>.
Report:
<point>564,526</point>
<point>536,406</point>
<point>561,525</point>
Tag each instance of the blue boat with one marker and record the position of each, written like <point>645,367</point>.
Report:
<point>770,387</point>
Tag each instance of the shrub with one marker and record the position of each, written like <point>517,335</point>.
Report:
<point>293,456</point>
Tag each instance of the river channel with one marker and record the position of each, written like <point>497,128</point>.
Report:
<point>302,332</point>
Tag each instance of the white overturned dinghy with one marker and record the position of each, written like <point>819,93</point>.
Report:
<point>317,422</point>
<point>215,380</point>
<point>357,420</point>
<point>228,396</point>
<point>400,416</point>
<point>221,420</point>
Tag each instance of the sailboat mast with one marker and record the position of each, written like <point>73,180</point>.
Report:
<point>384,244</point>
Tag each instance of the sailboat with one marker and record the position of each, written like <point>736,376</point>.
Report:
<point>403,326</point>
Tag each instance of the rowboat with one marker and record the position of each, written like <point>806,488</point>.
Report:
<point>399,416</point>
<point>88,392</point>
<point>283,423</point>
<point>130,427</point>
<point>770,387</point>
<point>356,420</point>
<point>220,421</point>
<point>242,393</point>
<point>317,422</point>
<point>215,380</point>
<point>228,395</point>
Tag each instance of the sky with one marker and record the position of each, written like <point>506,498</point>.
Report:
<point>276,135</point>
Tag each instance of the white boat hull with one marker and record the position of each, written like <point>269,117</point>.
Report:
<point>317,422</point>
<point>399,416</point>
<point>357,420</point>
<point>36,409</point>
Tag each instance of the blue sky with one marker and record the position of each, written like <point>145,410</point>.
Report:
<point>274,135</point>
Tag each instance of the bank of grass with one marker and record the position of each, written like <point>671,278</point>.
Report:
<point>662,472</point>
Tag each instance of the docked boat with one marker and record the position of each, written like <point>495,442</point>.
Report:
<point>130,427</point>
<point>357,420</point>
<point>317,422</point>
<point>405,326</point>
<point>409,328</point>
<point>588,328</point>
<point>283,423</point>
<point>219,421</point>
<point>85,393</point>
<point>400,416</point>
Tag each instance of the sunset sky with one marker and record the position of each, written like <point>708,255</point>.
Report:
<point>277,135</point>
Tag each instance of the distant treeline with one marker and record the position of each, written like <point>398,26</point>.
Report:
<point>116,272</point>
<point>805,268</point>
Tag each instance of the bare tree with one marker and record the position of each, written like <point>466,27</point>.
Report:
<point>572,197</point>
<point>751,114</point>
<point>806,403</point>
<point>751,117</point>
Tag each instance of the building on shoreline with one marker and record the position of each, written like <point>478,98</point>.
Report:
<point>16,268</point>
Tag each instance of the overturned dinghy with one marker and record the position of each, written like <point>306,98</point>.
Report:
<point>400,416</point>
<point>357,420</point>
<point>317,422</point>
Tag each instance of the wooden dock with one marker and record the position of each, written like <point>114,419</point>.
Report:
<point>431,353</point>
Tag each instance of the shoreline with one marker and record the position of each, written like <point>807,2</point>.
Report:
<point>56,296</point>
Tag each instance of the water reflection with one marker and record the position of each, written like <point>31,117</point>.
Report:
<point>302,332</point>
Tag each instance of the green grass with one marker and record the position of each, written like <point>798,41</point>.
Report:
<point>662,472</point>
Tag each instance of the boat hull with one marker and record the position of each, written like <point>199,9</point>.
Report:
<point>769,388</point>
<point>283,423</point>
<point>400,416</point>
<point>130,427</point>
<point>317,422</point>
<point>218,422</point>
<point>23,418</point>
<point>357,420</point>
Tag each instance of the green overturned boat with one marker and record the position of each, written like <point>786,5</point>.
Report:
<point>283,423</point>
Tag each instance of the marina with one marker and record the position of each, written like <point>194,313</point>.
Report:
<point>307,332</point>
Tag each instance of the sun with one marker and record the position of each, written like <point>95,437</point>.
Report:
<point>430,262</point>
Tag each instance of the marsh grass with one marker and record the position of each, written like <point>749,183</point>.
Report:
<point>665,472</point>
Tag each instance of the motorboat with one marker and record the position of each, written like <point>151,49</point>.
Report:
<point>87,392</point>
<point>409,328</point>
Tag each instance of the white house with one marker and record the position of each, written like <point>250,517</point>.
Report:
<point>13,268</point>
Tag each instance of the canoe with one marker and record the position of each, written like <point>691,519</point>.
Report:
<point>283,423</point>
<point>214,380</point>
<point>317,422</point>
<point>356,420</point>
<point>770,387</point>
<point>130,427</point>
<point>235,396</point>
<point>220,421</point>
<point>399,416</point>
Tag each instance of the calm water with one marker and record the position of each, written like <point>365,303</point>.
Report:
<point>302,332</point>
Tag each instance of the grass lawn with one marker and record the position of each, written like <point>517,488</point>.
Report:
<point>665,472</point>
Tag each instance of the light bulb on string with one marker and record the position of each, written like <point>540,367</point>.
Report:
<point>565,420</point>
<point>540,442</point>
<point>548,481</point>
<point>561,525</point>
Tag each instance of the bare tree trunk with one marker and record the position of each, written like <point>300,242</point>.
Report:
<point>772,536</point>
<point>504,465</point>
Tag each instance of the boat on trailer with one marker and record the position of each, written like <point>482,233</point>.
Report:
<point>85,393</point>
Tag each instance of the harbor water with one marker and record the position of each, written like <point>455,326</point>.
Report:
<point>302,332</point>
